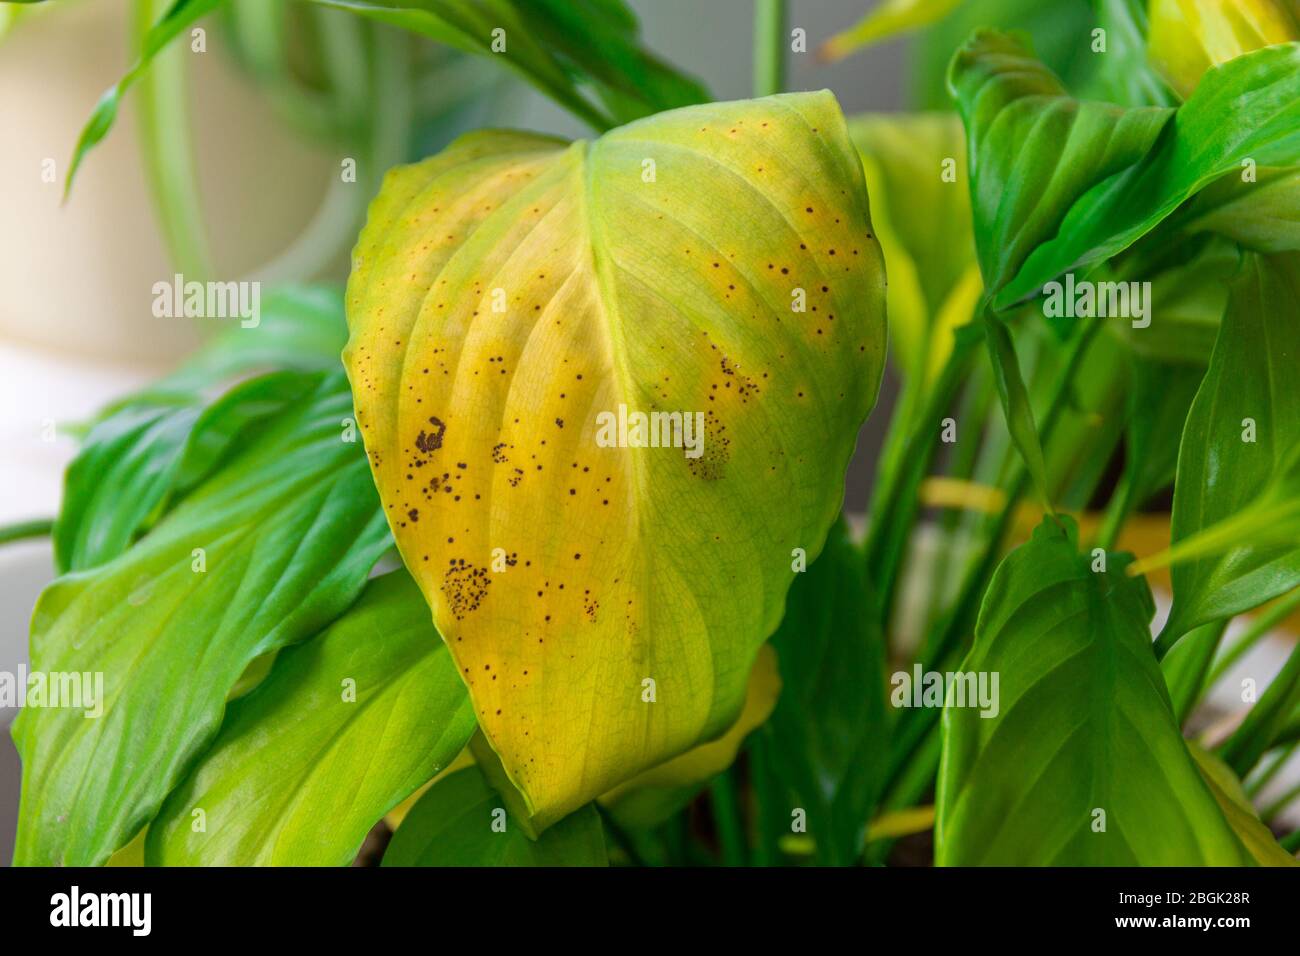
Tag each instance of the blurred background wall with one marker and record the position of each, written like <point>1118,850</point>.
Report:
<point>76,328</point>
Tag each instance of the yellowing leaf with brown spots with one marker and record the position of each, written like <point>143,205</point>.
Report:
<point>604,602</point>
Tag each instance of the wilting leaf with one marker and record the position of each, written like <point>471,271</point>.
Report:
<point>922,218</point>
<point>655,795</point>
<point>287,533</point>
<point>459,821</point>
<point>887,19</point>
<point>1083,739</point>
<point>511,298</point>
<point>347,725</point>
<point>1187,37</point>
<point>1241,815</point>
<point>828,738</point>
<point>1246,109</point>
<point>1237,467</point>
<point>1033,151</point>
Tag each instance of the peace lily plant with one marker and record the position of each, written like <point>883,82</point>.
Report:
<point>593,650</point>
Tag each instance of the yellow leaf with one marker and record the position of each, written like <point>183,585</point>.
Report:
<point>653,796</point>
<point>1187,37</point>
<point>1236,806</point>
<point>513,301</point>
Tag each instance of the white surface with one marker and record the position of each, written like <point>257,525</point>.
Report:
<point>41,394</point>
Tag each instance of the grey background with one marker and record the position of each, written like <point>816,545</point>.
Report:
<point>712,40</point>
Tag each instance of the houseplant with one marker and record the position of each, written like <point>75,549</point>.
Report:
<point>1092,300</point>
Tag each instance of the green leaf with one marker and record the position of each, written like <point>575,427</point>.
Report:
<point>288,529</point>
<point>1246,109</point>
<point>300,327</point>
<point>509,296</point>
<point>148,451</point>
<point>1231,495</point>
<point>1033,151</point>
<point>459,821</point>
<point>1160,398</point>
<point>828,736</point>
<point>887,19</point>
<point>1122,74</point>
<point>1262,213</point>
<point>1083,725</point>
<point>1015,404</point>
<point>1187,298</point>
<point>181,14</point>
<point>347,726</point>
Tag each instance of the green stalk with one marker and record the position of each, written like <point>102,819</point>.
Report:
<point>168,148</point>
<point>37,528</point>
<point>1291,842</point>
<point>726,817</point>
<point>914,725</point>
<point>1255,785</point>
<point>1259,627</point>
<point>769,47</point>
<point>895,506</point>
<point>1280,804</point>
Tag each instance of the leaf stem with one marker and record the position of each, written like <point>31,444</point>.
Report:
<point>37,528</point>
<point>769,47</point>
<point>726,817</point>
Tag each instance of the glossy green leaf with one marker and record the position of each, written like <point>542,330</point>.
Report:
<point>266,552</point>
<point>1033,151</point>
<point>1246,109</point>
<point>1237,468</point>
<point>147,451</point>
<point>828,737</point>
<point>1083,727</point>
<point>511,298</point>
<point>461,821</point>
<point>885,20</point>
<point>347,726</point>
